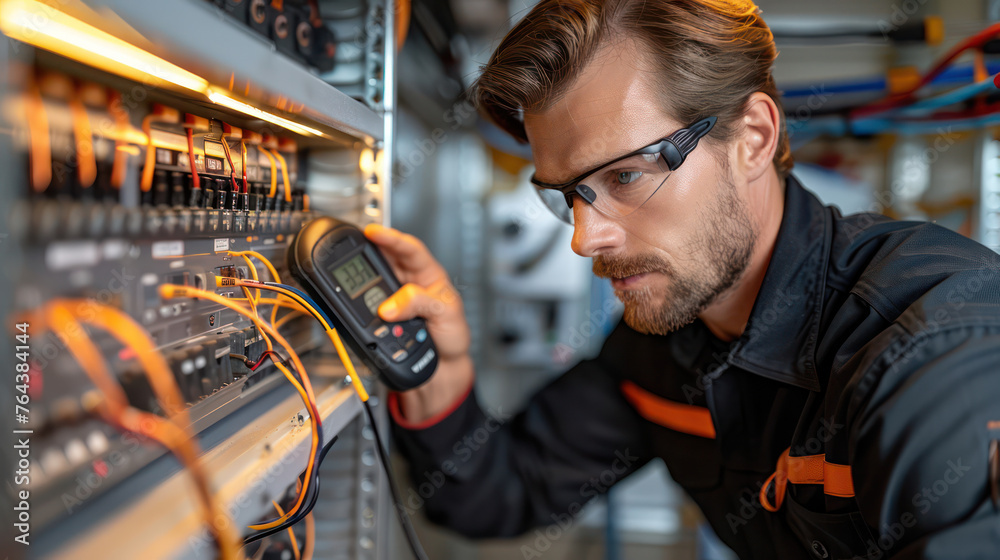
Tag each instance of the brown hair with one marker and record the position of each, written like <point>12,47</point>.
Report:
<point>709,57</point>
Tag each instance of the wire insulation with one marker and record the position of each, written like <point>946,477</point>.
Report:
<point>192,162</point>
<point>63,316</point>
<point>316,311</point>
<point>170,291</point>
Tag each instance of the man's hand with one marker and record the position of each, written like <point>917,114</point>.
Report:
<point>428,293</point>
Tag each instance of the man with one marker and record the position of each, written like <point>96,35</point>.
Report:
<point>822,386</point>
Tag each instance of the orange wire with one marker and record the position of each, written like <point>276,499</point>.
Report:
<point>291,533</point>
<point>272,301</point>
<point>253,274</point>
<point>119,167</point>
<point>270,268</point>
<point>229,158</point>
<point>402,22</point>
<point>330,332</point>
<point>263,259</point>
<point>63,320</point>
<point>146,183</point>
<point>131,335</point>
<point>195,179</point>
<point>38,131</point>
<point>86,160</point>
<point>170,291</point>
<point>310,538</point>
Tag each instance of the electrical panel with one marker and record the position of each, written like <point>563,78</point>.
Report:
<point>181,144</point>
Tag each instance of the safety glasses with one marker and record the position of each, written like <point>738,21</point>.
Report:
<point>621,186</point>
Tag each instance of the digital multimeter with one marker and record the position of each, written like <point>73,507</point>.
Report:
<point>348,277</point>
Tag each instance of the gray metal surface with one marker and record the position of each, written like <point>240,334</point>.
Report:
<point>254,465</point>
<point>196,36</point>
<point>389,108</point>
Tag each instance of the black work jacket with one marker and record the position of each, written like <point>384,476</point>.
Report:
<point>871,359</point>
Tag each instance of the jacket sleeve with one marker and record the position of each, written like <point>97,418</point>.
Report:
<point>921,465</point>
<point>499,475</point>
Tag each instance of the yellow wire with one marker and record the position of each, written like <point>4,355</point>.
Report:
<point>274,172</point>
<point>170,291</point>
<point>261,258</point>
<point>284,175</point>
<point>253,271</point>
<point>272,301</point>
<point>270,268</point>
<point>330,332</point>
<point>274,314</point>
<point>250,299</point>
<point>146,180</point>
<point>253,267</point>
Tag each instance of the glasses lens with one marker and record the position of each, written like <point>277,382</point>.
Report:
<point>556,202</point>
<point>623,186</point>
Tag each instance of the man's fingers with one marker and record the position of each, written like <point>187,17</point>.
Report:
<point>411,301</point>
<point>408,252</point>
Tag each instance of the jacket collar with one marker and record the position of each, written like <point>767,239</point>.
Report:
<point>780,338</point>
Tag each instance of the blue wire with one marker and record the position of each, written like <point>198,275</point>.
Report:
<point>944,100</point>
<point>837,126</point>
<point>304,296</point>
<point>875,84</point>
<point>313,474</point>
<point>950,76</point>
<point>888,120</point>
<point>931,127</point>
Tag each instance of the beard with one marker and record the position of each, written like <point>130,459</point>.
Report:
<point>721,252</point>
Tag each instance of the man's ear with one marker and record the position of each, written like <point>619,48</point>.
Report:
<point>761,132</point>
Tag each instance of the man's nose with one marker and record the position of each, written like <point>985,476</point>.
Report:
<point>594,233</point>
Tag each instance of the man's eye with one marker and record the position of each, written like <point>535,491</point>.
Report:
<point>626,177</point>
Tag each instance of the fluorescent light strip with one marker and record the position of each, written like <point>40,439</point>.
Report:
<point>41,25</point>
<point>220,98</point>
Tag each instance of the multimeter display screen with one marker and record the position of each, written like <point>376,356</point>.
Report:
<point>355,275</point>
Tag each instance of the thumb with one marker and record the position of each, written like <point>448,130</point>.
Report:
<point>412,301</point>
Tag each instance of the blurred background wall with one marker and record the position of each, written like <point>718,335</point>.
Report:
<point>533,305</point>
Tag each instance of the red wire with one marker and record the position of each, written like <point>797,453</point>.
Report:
<point>978,111</point>
<point>196,181</point>
<point>901,99</point>
<point>263,357</point>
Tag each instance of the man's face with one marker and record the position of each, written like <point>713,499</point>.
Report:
<point>686,245</point>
